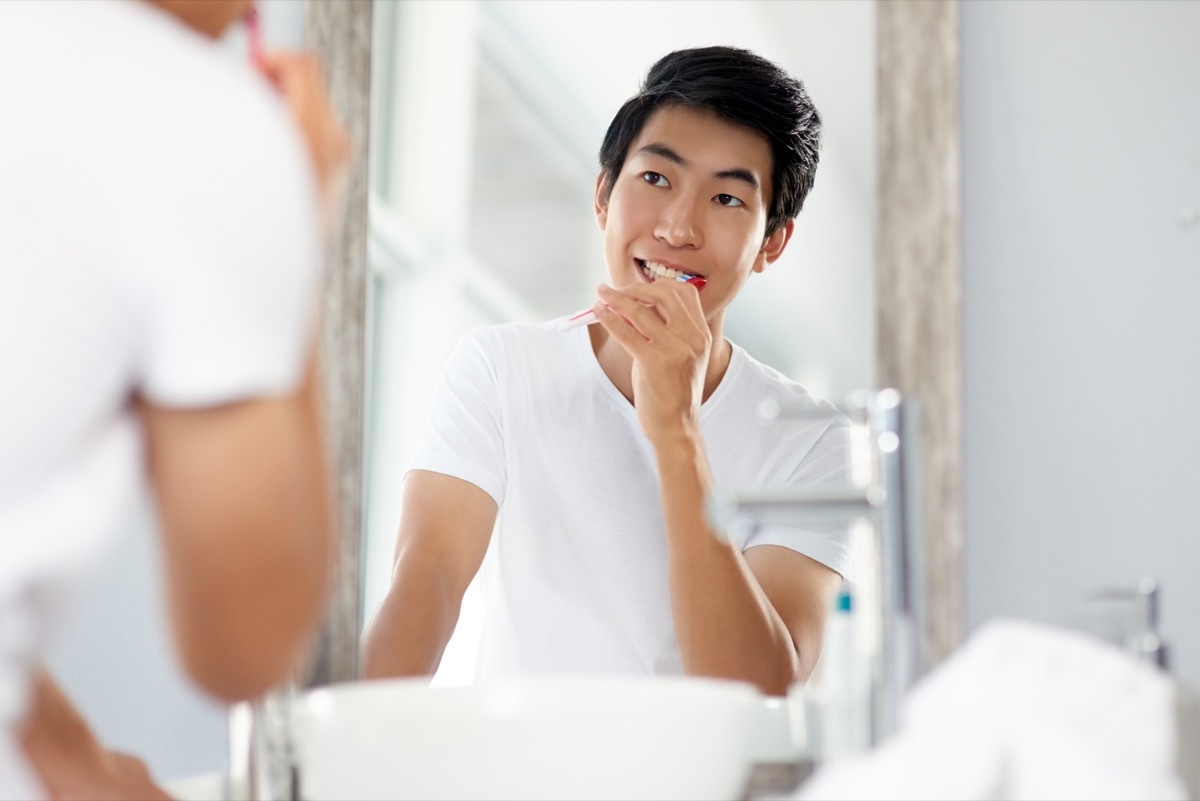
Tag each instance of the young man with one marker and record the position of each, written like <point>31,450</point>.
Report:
<point>159,253</point>
<point>591,451</point>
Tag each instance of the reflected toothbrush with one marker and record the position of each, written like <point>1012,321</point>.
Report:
<point>587,316</point>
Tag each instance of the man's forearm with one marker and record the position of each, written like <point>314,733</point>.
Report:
<point>68,758</point>
<point>409,632</point>
<point>445,526</point>
<point>725,624</point>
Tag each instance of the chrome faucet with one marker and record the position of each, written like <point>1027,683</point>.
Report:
<point>1143,638</point>
<point>885,495</point>
<point>262,758</point>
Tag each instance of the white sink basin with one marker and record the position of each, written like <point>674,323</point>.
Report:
<point>203,787</point>
<point>546,738</point>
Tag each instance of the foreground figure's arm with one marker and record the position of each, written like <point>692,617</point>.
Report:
<point>243,488</point>
<point>69,760</point>
<point>445,526</point>
<point>245,506</point>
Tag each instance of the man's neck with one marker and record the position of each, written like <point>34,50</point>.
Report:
<point>210,18</point>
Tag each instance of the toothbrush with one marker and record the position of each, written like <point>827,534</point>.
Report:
<point>587,316</point>
<point>254,38</point>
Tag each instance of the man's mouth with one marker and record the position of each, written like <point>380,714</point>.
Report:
<point>653,271</point>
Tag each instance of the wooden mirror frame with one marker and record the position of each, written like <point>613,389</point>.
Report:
<point>919,278</point>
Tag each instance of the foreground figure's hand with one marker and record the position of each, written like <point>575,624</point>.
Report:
<point>299,79</point>
<point>68,759</point>
<point>662,327</point>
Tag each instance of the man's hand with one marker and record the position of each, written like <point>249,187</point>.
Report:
<point>300,81</point>
<point>70,761</point>
<point>662,327</point>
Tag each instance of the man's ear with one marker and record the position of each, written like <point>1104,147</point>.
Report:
<point>774,244</point>
<point>601,201</point>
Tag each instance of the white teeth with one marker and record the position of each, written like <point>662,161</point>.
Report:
<point>656,270</point>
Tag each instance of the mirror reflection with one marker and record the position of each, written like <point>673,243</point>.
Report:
<point>485,210</point>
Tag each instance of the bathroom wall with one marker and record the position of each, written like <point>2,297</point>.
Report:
<point>1081,173</point>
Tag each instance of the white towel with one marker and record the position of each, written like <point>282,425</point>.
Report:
<point>1023,711</point>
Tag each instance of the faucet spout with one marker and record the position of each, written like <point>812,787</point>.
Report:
<point>887,498</point>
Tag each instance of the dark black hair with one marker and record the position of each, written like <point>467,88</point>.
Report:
<point>743,88</point>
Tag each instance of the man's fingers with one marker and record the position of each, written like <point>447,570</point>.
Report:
<point>644,313</point>
<point>685,300</point>
<point>301,82</point>
<point>673,302</point>
<point>619,328</point>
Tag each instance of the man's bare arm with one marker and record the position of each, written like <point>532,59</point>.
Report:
<point>760,624</point>
<point>757,616</point>
<point>68,758</point>
<point>801,591</point>
<point>445,526</point>
<point>245,507</point>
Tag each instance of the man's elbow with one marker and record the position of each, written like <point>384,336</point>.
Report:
<point>244,650</point>
<point>238,675</point>
<point>779,682</point>
<point>375,655</point>
<point>794,665</point>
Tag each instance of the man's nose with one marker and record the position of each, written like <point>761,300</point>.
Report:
<point>679,223</point>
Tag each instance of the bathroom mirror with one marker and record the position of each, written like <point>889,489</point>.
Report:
<point>868,65</point>
<point>486,121</point>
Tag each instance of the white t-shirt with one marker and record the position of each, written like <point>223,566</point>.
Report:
<point>158,236</point>
<point>575,579</point>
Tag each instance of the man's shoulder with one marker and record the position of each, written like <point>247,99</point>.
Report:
<point>152,52</point>
<point>175,103</point>
<point>766,381</point>
<point>518,338</point>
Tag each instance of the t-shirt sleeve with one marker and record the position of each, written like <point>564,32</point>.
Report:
<point>826,465</point>
<point>224,254</point>
<point>465,435</point>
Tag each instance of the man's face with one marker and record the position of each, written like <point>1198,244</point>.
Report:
<point>692,196</point>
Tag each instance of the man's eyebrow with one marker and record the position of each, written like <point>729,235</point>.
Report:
<point>735,173</point>
<point>659,149</point>
<point>740,174</point>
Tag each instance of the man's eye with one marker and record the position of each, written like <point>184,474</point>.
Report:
<point>729,200</point>
<point>654,179</point>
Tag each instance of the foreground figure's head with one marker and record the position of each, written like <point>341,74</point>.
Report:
<point>744,89</point>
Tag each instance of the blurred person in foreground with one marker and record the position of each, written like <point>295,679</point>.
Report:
<point>591,450</point>
<point>161,214</point>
